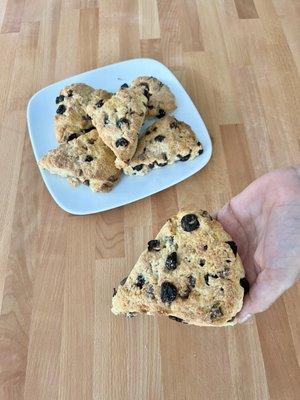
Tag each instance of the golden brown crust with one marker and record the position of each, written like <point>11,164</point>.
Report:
<point>205,272</point>
<point>119,121</point>
<point>164,142</point>
<point>84,160</point>
<point>160,99</point>
<point>72,119</point>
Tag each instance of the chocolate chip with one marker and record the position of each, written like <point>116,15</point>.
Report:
<point>171,261</point>
<point>113,178</point>
<point>150,107</point>
<point>233,246</point>
<point>124,86</point>
<point>140,281</point>
<point>105,119</point>
<point>168,292</point>
<point>88,158</point>
<point>224,273</point>
<point>160,84</point>
<point>122,121</point>
<point>86,182</point>
<point>189,222</point>
<point>177,319</point>
<point>215,312</point>
<point>206,214</point>
<point>164,156</point>
<point>114,292</point>
<point>245,284</point>
<point>86,117</point>
<point>123,281</point>
<point>138,167</point>
<point>202,262</point>
<point>161,113</point>
<point>159,138</point>
<point>231,319</point>
<point>130,314</point>
<point>185,295</point>
<point>146,94</point>
<point>183,158</point>
<point>191,281</point>
<point>173,125</point>
<point>122,142</point>
<point>145,84</point>
<point>61,109</point>
<point>89,129</point>
<point>154,245</point>
<point>99,103</point>
<point>91,141</point>
<point>151,166</point>
<point>72,136</point>
<point>161,164</point>
<point>80,172</point>
<point>59,99</point>
<point>200,151</point>
<point>190,285</point>
<point>207,276</point>
<point>70,93</point>
<point>150,292</point>
<point>228,261</point>
<point>205,247</point>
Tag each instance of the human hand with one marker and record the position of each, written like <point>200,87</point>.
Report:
<point>264,221</point>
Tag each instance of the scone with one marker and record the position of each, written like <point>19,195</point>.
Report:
<point>166,141</point>
<point>119,120</point>
<point>71,119</point>
<point>160,99</point>
<point>191,272</point>
<point>84,160</point>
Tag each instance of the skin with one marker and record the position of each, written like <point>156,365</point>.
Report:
<point>264,221</point>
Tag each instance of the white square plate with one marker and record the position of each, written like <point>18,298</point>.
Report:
<point>81,200</point>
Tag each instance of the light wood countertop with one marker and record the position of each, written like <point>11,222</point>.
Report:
<point>239,60</point>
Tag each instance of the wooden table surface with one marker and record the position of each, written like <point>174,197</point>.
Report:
<point>239,61</point>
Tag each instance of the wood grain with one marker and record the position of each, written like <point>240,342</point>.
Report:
<point>239,61</point>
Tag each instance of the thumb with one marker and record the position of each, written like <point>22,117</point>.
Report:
<point>267,288</point>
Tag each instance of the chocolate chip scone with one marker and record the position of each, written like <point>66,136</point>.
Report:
<point>160,99</point>
<point>191,272</point>
<point>165,142</point>
<point>84,160</point>
<point>72,119</point>
<point>119,120</point>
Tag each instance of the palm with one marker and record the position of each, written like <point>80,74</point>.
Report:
<point>263,221</point>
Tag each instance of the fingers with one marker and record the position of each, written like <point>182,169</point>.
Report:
<point>228,219</point>
<point>232,226</point>
<point>267,288</point>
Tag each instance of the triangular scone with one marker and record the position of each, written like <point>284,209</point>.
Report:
<point>119,120</point>
<point>71,119</point>
<point>84,160</point>
<point>190,272</point>
<point>160,99</point>
<point>166,141</point>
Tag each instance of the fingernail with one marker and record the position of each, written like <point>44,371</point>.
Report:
<point>242,320</point>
